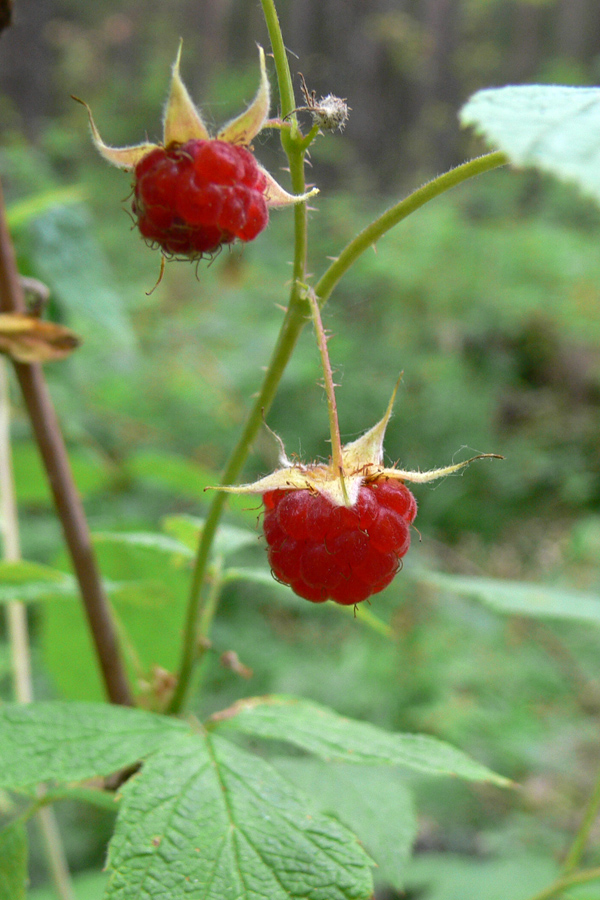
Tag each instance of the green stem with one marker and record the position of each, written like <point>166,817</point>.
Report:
<point>284,77</point>
<point>561,884</point>
<point>293,323</point>
<point>581,838</point>
<point>337,458</point>
<point>371,234</point>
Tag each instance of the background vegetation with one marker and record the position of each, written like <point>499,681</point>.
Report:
<point>487,300</point>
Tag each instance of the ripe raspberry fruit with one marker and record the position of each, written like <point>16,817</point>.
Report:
<point>194,193</point>
<point>338,530</point>
<point>345,554</point>
<point>191,198</point>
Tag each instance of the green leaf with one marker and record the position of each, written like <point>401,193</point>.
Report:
<point>159,543</point>
<point>86,886</point>
<point>256,576</point>
<point>13,862</point>
<point>186,479</point>
<point>59,240</point>
<point>556,129</point>
<point>448,876</point>
<point>90,470</point>
<point>517,597</point>
<point>229,538</point>
<point>71,741</point>
<point>29,581</point>
<point>24,211</point>
<point>377,806</point>
<point>319,730</point>
<point>206,819</point>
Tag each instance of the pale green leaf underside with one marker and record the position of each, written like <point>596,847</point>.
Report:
<point>519,598</point>
<point>556,129</point>
<point>13,862</point>
<point>29,581</point>
<point>62,741</point>
<point>318,730</point>
<point>208,821</point>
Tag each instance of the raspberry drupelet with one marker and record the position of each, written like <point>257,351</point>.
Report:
<point>327,552</point>
<point>193,197</point>
<point>193,193</point>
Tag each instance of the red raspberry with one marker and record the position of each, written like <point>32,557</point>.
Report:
<point>191,198</point>
<point>328,552</point>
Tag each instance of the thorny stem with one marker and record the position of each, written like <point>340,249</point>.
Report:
<point>295,147</point>
<point>334,425</point>
<point>371,234</point>
<point>66,497</point>
<point>293,323</point>
<point>18,635</point>
<point>284,77</point>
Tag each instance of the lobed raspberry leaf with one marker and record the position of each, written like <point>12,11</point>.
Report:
<point>377,806</point>
<point>556,129</point>
<point>321,731</point>
<point>205,819</point>
<point>182,121</point>
<point>13,862</point>
<point>58,741</point>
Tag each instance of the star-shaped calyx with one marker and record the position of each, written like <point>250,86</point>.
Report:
<point>361,464</point>
<point>193,192</point>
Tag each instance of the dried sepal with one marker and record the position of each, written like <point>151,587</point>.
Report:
<point>361,463</point>
<point>123,157</point>
<point>27,339</point>
<point>182,121</point>
<point>244,128</point>
<point>277,197</point>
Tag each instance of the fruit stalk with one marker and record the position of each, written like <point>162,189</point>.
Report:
<point>334,425</point>
<point>66,497</point>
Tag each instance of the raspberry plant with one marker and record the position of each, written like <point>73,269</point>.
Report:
<point>201,815</point>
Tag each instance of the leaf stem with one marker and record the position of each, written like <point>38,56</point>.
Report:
<point>66,497</point>
<point>371,234</point>
<point>561,884</point>
<point>18,635</point>
<point>334,425</point>
<point>284,77</point>
<point>293,323</point>
<point>590,815</point>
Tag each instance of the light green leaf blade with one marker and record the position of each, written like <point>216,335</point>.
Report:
<point>448,876</point>
<point>29,581</point>
<point>229,538</point>
<point>206,819</point>
<point>321,731</point>
<point>148,540</point>
<point>376,805</point>
<point>61,741</point>
<point>87,886</point>
<point>517,597</point>
<point>553,128</point>
<point>13,862</point>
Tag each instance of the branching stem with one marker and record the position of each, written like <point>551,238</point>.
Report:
<point>298,310</point>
